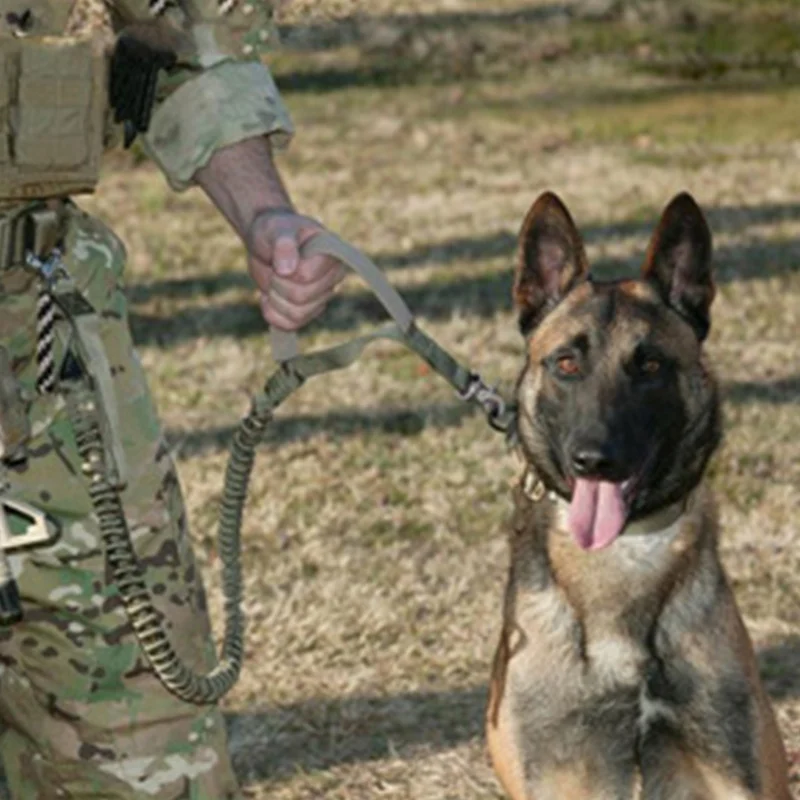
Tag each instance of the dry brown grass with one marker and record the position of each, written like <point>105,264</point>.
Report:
<point>374,542</point>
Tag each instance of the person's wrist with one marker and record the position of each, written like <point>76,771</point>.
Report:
<point>295,222</point>
<point>267,213</point>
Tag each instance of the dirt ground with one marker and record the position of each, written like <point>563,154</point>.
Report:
<point>374,543</point>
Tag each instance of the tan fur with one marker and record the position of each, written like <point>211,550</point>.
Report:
<point>576,708</point>
<point>503,749</point>
<point>590,588</point>
<point>560,326</point>
<point>639,291</point>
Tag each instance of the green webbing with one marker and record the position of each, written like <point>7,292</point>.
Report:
<point>343,355</point>
<point>459,377</point>
<point>316,363</point>
<point>440,360</point>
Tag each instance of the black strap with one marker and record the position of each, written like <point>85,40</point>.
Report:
<point>135,65</point>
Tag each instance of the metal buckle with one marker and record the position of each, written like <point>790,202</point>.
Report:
<point>50,268</point>
<point>488,398</point>
<point>38,532</point>
<point>532,486</point>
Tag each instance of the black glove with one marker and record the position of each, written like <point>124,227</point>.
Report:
<point>134,77</point>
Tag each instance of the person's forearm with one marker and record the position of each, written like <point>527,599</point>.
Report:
<point>242,181</point>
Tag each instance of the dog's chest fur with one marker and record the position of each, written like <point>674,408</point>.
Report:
<point>589,618</point>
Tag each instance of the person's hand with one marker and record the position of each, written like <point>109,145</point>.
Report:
<point>294,290</point>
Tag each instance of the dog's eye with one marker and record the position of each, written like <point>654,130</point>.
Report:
<point>568,365</point>
<point>648,364</point>
<point>651,366</point>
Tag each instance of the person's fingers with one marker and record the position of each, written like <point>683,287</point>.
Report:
<point>285,254</point>
<point>274,239</point>
<point>305,293</point>
<point>293,289</point>
<point>311,269</point>
<point>261,273</point>
<point>299,314</point>
<point>325,274</point>
<point>286,316</point>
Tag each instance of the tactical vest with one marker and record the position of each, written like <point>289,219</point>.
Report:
<point>53,102</point>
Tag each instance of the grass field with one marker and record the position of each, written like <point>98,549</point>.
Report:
<point>375,549</point>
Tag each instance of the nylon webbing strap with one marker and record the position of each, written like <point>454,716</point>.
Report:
<point>468,384</point>
<point>318,362</point>
<point>284,344</point>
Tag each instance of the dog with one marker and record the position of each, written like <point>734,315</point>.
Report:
<point>624,670</point>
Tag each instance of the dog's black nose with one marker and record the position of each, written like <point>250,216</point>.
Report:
<point>595,461</point>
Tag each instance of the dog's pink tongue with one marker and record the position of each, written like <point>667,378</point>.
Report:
<point>596,513</point>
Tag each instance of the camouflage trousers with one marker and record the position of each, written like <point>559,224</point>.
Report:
<point>81,713</point>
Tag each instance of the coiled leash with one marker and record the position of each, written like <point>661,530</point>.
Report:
<point>294,370</point>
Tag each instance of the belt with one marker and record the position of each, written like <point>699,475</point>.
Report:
<point>30,228</point>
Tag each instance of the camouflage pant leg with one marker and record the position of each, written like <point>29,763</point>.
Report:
<point>82,714</point>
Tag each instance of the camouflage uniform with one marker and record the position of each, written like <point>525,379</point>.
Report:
<point>82,714</point>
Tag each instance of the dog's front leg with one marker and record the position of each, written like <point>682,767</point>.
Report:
<point>715,729</point>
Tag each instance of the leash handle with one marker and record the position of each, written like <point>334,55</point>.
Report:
<point>469,385</point>
<point>285,344</point>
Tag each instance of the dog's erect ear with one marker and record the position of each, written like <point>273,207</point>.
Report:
<point>678,262</point>
<point>551,260</point>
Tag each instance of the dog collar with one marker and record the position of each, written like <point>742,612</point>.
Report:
<point>534,489</point>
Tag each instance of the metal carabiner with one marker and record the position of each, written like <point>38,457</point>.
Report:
<point>489,399</point>
<point>50,268</point>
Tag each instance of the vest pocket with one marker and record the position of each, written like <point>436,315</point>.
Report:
<point>53,116</point>
<point>54,108</point>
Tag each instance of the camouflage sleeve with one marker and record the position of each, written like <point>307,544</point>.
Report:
<point>218,92</point>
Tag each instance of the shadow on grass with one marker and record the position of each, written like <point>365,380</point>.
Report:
<point>389,47</point>
<point>284,429</point>
<point>782,391</point>
<point>413,421</point>
<point>480,297</point>
<point>391,44</point>
<point>500,244</point>
<point>316,735</point>
<point>312,736</point>
<point>356,29</point>
<point>373,76</point>
<point>391,72</point>
<point>779,665</point>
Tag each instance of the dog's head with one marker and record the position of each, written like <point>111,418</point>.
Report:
<point>618,412</point>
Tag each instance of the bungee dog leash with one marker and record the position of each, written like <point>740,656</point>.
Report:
<point>294,369</point>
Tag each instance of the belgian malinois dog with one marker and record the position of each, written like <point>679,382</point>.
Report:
<point>624,671</point>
